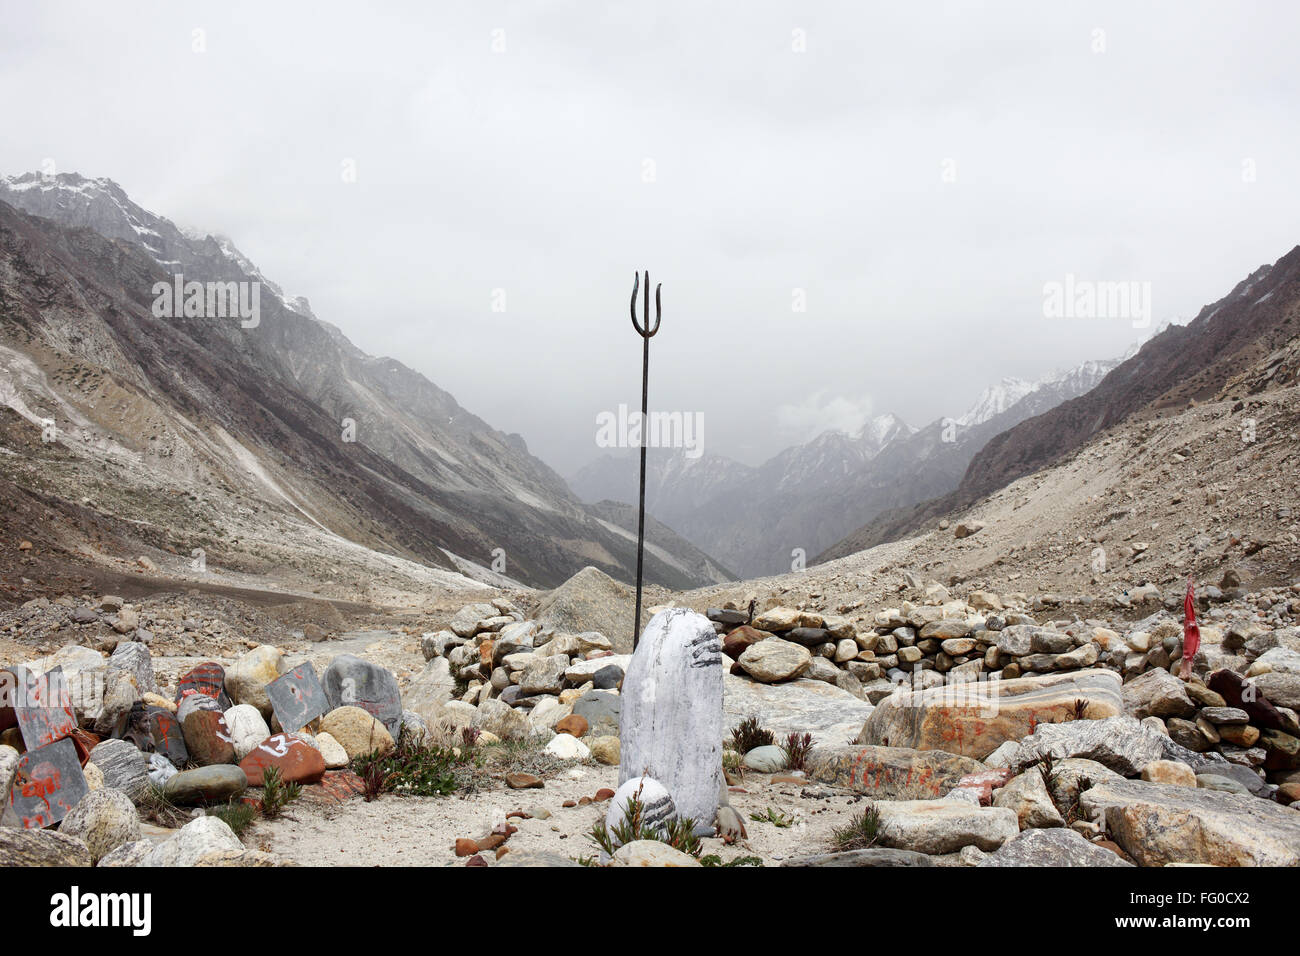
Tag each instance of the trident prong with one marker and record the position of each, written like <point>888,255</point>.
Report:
<point>646,332</point>
<point>636,280</point>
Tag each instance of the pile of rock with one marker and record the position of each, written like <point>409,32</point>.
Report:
<point>513,678</point>
<point>980,773</point>
<point>208,741</point>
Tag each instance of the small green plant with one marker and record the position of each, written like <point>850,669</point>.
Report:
<point>733,763</point>
<point>860,832</point>
<point>796,748</point>
<point>1045,765</point>
<point>774,817</point>
<point>276,794</point>
<point>410,769</point>
<point>678,833</point>
<point>236,814</point>
<point>714,860</point>
<point>748,734</point>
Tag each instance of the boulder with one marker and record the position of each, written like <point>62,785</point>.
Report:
<point>672,712</point>
<point>831,714</point>
<point>246,727</point>
<point>774,660</point>
<point>215,784</point>
<point>357,731</point>
<point>657,804</point>
<point>1057,847</point>
<point>128,854</point>
<point>1158,824</point>
<point>976,717</point>
<point>890,773</point>
<point>1121,743</point>
<point>124,767</point>
<point>602,710</point>
<point>943,826</point>
<point>767,759</point>
<point>544,675</point>
<point>331,751</point>
<point>351,682</point>
<point>198,837</point>
<point>567,747</point>
<point>297,761</point>
<point>247,678</point>
<point>103,820</point>
<point>19,847</point>
<point>1157,693</point>
<point>499,718</point>
<point>1028,797</point>
<point>652,853</point>
<point>1173,772</point>
<point>207,738</point>
<point>133,658</point>
<point>592,601</point>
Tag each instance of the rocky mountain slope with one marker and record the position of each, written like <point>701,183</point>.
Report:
<point>1234,348</point>
<point>805,497</point>
<point>177,429</point>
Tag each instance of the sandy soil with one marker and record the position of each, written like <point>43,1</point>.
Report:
<point>421,831</point>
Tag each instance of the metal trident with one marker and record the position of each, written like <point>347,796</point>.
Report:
<point>646,332</point>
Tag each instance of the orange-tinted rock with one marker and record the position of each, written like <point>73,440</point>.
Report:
<point>466,847</point>
<point>983,783</point>
<point>603,794</point>
<point>476,860</point>
<point>207,739</point>
<point>523,781</point>
<point>974,719</point>
<point>298,762</point>
<point>574,724</point>
<point>491,841</point>
<point>735,642</point>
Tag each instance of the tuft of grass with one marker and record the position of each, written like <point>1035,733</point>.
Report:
<point>1080,709</point>
<point>796,748</point>
<point>860,832</point>
<point>157,808</point>
<point>678,833</point>
<point>276,794</point>
<point>774,817</point>
<point>748,734</point>
<point>236,814</point>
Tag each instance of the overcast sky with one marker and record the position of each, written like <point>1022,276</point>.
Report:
<point>919,171</point>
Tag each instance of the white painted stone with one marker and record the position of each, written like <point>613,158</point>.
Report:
<point>656,801</point>
<point>672,725</point>
<point>247,729</point>
<point>567,747</point>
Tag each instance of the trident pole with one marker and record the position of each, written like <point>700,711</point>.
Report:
<point>646,332</point>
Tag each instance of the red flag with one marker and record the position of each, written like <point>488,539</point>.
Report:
<point>1191,633</point>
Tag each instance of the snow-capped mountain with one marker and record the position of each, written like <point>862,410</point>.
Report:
<point>808,496</point>
<point>995,400</point>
